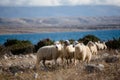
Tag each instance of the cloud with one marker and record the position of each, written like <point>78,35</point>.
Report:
<point>43,2</point>
<point>57,2</point>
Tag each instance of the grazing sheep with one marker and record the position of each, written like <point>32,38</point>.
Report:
<point>56,42</point>
<point>51,52</point>
<point>92,47</point>
<point>82,52</point>
<point>67,42</point>
<point>101,46</point>
<point>68,52</point>
<point>104,46</point>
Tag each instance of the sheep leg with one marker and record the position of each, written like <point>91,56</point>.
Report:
<point>55,62</point>
<point>76,62</point>
<point>70,60</point>
<point>67,62</point>
<point>83,58</point>
<point>43,62</point>
<point>37,63</point>
<point>62,60</point>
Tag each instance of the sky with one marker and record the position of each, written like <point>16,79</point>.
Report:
<point>17,8</point>
<point>58,2</point>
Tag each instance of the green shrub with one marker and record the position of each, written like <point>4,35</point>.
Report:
<point>3,51</point>
<point>113,44</point>
<point>19,46</point>
<point>88,38</point>
<point>43,42</point>
<point>71,41</point>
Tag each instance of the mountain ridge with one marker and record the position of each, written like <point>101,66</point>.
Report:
<point>60,21</point>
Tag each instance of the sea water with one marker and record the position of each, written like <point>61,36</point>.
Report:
<point>104,35</point>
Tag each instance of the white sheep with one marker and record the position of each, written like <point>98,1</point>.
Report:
<point>68,52</point>
<point>104,45</point>
<point>51,52</point>
<point>67,42</point>
<point>82,52</point>
<point>56,42</point>
<point>92,47</point>
<point>101,46</point>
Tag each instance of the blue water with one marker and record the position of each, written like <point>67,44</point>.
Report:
<point>104,35</point>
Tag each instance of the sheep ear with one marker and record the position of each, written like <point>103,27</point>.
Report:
<point>56,46</point>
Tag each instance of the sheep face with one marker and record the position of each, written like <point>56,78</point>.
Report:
<point>59,47</point>
<point>67,42</point>
<point>79,47</point>
<point>90,44</point>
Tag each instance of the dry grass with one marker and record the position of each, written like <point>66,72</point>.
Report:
<point>64,72</point>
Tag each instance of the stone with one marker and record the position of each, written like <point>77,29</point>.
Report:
<point>5,57</point>
<point>21,72</point>
<point>27,56</point>
<point>116,51</point>
<point>90,68</point>
<point>111,59</point>
<point>1,68</point>
<point>100,66</point>
<point>33,56</point>
<point>105,55</point>
<point>35,75</point>
<point>20,57</point>
<point>15,69</point>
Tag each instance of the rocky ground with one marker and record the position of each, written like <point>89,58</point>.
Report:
<point>104,66</point>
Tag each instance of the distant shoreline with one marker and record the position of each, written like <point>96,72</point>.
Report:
<point>5,31</point>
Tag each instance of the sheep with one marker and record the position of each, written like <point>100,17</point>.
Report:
<point>82,52</point>
<point>68,52</point>
<point>56,42</point>
<point>92,47</point>
<point>101,46</point>
<point>51,52</point>
<point>105,46</point>
<point>67,42</point>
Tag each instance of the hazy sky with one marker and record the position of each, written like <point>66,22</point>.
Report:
<point>57,2</point>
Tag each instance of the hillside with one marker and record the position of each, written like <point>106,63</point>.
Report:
<point>57,24</point>
<point>60,21</point>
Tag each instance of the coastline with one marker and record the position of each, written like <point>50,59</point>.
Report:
<point>6,31</point>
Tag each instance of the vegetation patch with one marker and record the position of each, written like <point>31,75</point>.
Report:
<point>19,46</point>
<point>88,38</point>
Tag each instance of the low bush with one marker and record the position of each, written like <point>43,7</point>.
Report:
<point>88,38</point>
<point>71,41</point>
<point>42,43</point>
<point>19,46</point>
<point>113,44</point>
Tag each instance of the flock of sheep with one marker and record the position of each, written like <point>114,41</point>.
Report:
<point>66,51</point>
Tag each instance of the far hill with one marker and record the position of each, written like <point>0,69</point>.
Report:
<point>58,18</point>
<point>57,24</point>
